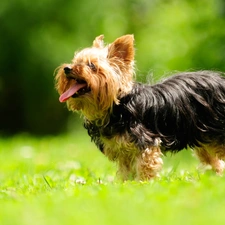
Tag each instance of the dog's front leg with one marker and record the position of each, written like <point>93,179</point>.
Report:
<point>145,165</point>
<point>126,167</point>
<point>149,163</point>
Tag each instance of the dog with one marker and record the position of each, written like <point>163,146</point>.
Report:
<point>133,123</point>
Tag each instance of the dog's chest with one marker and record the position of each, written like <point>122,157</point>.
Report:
<point>119,146</point>
<point>114,139</point>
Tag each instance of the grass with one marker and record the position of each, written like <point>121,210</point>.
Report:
<point>64,180</point>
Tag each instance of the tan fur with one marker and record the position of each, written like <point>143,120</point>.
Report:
<point>98,42</point>
<point>149,163</point>
<point>113,62</point>
<point>133,163</point>
<point>212,155</point>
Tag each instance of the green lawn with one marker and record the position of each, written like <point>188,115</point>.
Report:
<point>65,180</point>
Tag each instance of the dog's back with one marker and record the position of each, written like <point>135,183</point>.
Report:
<point>184,110</point>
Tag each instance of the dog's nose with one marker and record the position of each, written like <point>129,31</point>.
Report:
<point>67,70</point>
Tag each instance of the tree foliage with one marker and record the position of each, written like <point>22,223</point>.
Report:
<point>36,37</point>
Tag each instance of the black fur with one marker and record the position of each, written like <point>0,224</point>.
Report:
<point>184,110</point>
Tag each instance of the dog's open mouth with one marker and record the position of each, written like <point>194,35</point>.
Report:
<point>77,89</point>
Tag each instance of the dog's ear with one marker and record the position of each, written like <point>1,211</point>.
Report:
<point>98,42</point>
<point>123,48</point>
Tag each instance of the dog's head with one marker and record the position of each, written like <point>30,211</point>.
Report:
<point>97,77</point>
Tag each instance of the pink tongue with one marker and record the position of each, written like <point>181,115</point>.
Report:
<point>71,91</point>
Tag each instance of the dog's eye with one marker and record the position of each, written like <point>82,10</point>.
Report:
<point>92,66</point>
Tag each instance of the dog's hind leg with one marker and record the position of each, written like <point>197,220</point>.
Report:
<point>212,155</point>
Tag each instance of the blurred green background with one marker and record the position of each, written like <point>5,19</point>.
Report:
<point>37,36</point>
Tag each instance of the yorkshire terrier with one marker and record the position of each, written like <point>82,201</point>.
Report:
<point>132,123</point>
